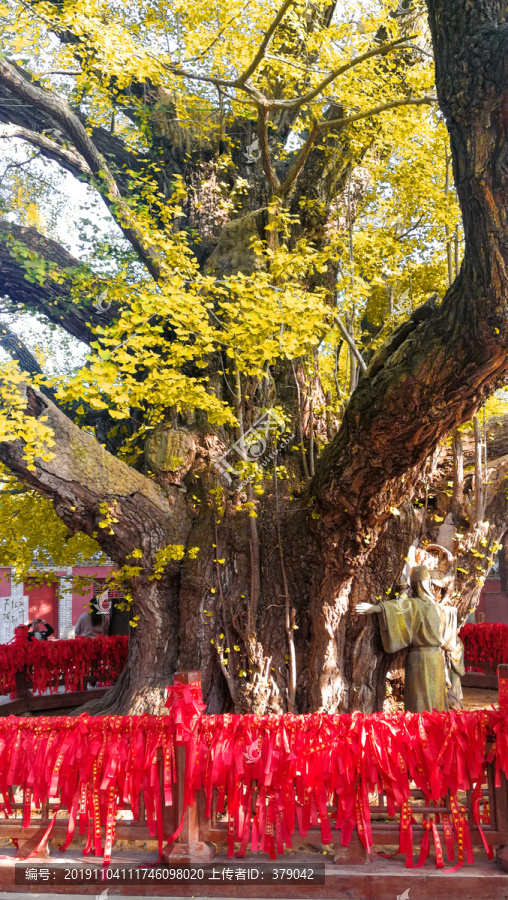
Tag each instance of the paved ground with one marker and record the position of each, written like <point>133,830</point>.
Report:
<point>478,698</point>
<point>379,880</point>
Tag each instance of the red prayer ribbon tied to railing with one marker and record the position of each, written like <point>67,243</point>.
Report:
<point>45,662</point>
<point>308,771</point>
<point>186,703</point>
<point>485,642</point>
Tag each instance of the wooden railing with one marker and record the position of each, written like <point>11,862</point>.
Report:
<point>27,701</point>
<point>486,678</point>
<point>48,675</point>
<point>385,829</point>
<point>198,832</point>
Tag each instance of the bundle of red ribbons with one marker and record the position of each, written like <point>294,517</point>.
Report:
<point>485,642</point>
<point>301,771</point>
<point>46,662</point>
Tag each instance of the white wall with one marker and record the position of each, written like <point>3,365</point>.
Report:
<point>65,628</point>
<point>13,610</point>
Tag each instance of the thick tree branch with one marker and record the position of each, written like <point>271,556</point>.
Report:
<point>264,43</point>
<point>73,162</point>
<point>299,162</point>
<point>82,477</point>
<point>297,102</point>
<point>374,111</point>
<point>265,152</point>
<point>50,296</point>
<point>66,118</point>
<point>330,124</point>
<point>210,79</point>
<point>436,371</point>
<point>97,494</point>
<point>170,156</point>
<point>350,341</point>
<point>18,350</point>
<point>293,48</point>
<point>475,34</point>
<point>25,115</point>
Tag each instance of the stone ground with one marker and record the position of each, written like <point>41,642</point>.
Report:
<point>479,698</point>
<point>379,879</point>
<point>474,698</point>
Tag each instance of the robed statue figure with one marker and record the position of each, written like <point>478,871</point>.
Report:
<point>428,629</point>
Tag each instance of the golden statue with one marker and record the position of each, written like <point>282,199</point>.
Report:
<point>430,631</point>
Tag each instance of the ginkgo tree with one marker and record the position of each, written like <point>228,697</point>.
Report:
<point>248,438</point>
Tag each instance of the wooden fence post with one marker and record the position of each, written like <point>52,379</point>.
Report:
<point>502,675</point>
<point>188,848</point>
<point>23,694</point>
<point>499,796</point>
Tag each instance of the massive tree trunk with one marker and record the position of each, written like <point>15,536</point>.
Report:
<point>225,610</point>
<point>153,651</point>
<point>96,493</point>
<point>439,367</point>
<point>265,607</point>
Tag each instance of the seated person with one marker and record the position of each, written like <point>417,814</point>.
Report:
<point>38,633</point>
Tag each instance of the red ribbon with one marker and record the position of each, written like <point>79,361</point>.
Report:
<point>46,662</point>
<point>297,767</point>
<point>485,642</point>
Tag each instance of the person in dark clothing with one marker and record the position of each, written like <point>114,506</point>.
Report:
<point>119,618</point>
<point>38,633</point>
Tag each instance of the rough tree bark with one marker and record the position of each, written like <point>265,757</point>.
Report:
<point>51,296</point>
<point>436,369</point>
<point>339,541</point>
<point>89,487</point>
<point>445,522</point>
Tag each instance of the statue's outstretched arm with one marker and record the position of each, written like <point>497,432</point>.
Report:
<point>366,609</point>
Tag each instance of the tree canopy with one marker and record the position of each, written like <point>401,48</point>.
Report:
<point>268,227</point>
